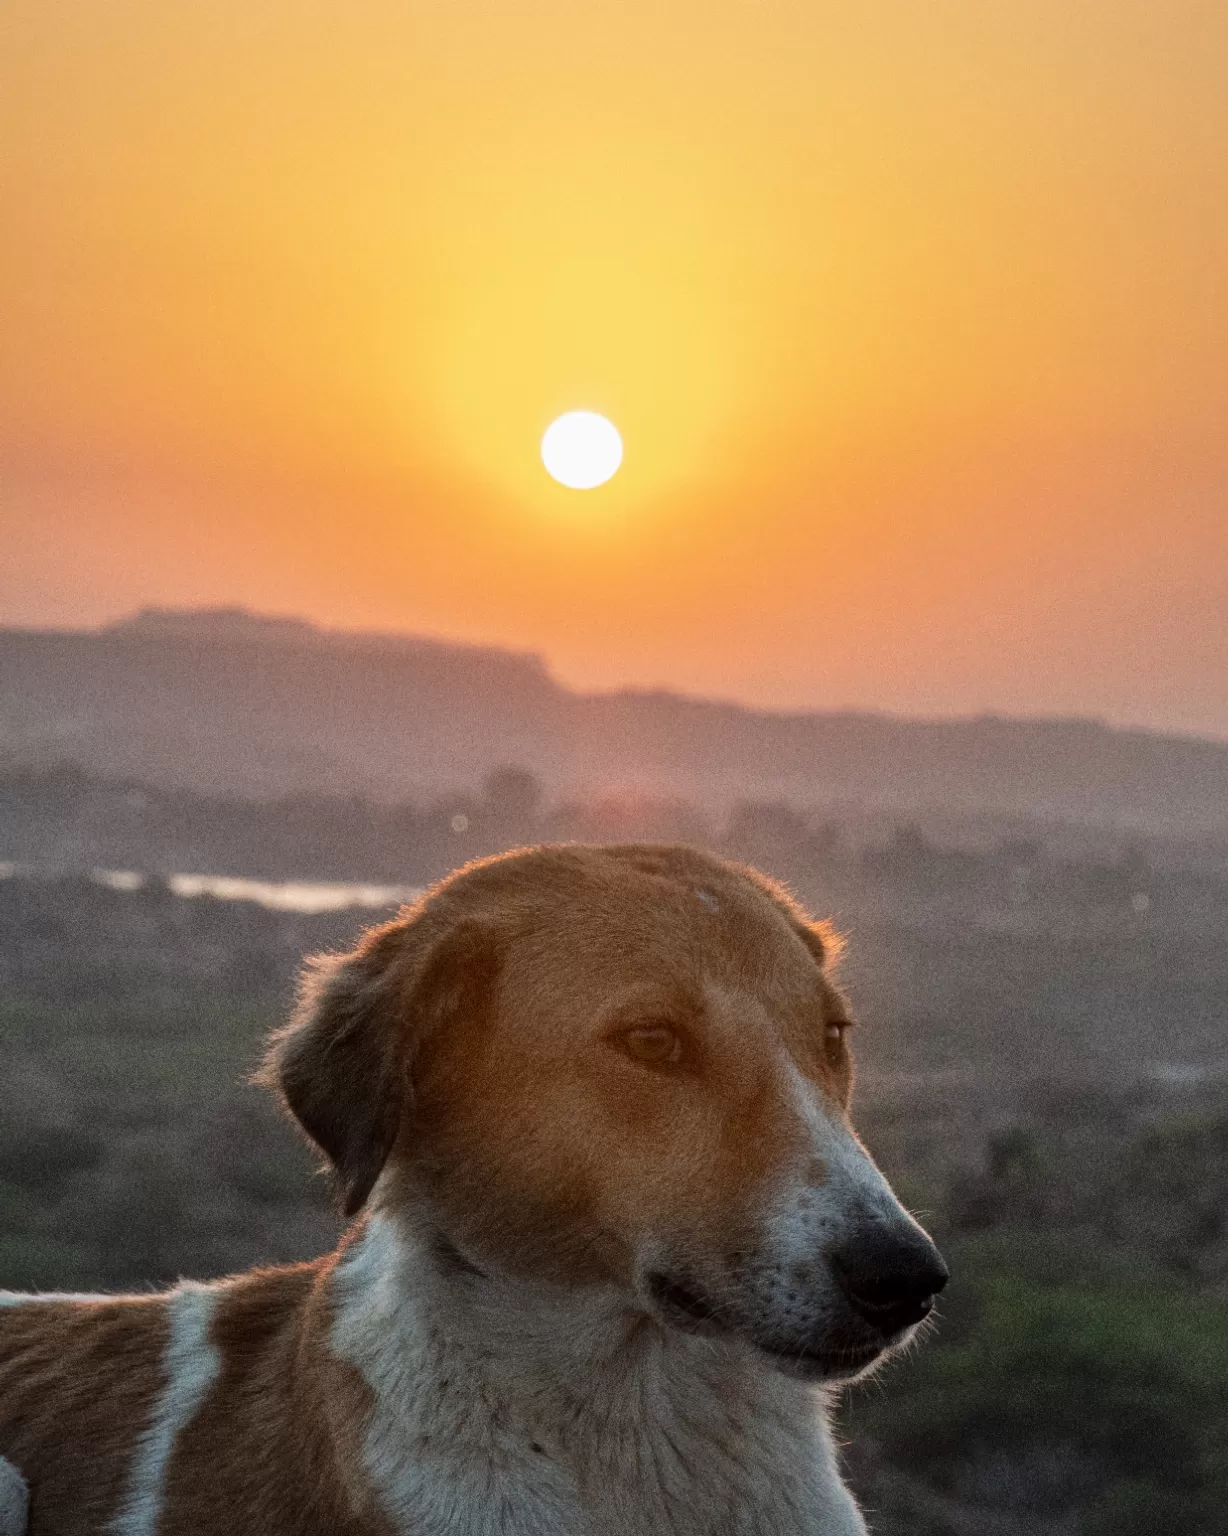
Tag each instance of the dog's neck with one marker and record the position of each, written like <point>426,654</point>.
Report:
<point>503,1406</point>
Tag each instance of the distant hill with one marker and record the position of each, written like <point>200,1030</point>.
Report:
<point>235,703</point>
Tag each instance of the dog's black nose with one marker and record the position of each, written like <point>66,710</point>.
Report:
<point>891,1280</point>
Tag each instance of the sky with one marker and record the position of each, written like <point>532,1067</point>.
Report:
<point>914,320</point>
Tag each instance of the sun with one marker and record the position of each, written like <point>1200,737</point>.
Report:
<point>581,450</point>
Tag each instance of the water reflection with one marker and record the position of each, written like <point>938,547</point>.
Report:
<point>307,896</point>
<point>293,895</point>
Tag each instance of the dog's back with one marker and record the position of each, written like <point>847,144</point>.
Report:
<point>111,1408</point>
<point>79,1382</point>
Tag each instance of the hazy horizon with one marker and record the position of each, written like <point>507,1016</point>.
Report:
<point>149,617</point>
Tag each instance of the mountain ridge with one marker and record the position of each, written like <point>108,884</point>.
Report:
<point>229,701</point>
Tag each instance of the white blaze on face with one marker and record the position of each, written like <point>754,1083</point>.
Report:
<point>831,1188</point>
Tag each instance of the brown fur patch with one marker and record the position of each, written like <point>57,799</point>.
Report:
<point>78,1384</point>
<point>280,1433</point>
<point>534,1141</point>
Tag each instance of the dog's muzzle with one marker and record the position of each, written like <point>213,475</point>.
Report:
<point>872,1291</point>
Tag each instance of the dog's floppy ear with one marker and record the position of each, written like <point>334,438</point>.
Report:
<point>342,1065</point>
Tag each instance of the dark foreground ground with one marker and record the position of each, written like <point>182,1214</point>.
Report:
<point>1043,1077</point>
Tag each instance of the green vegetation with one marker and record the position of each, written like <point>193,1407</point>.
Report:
<point>133,1150</point>
<point>1065,1383</point>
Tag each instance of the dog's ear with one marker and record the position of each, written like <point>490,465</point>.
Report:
<point>343,1064</point>
<point>822,940</point>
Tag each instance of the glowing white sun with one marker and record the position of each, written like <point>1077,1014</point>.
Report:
<point>582,449</point>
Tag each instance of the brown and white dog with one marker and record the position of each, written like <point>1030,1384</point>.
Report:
<point>616,1237</point>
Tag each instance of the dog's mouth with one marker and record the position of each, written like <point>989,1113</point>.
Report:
<point>836,1364</point>
<point>684,1306</point>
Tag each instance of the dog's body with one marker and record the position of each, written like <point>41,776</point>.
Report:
<point>616,1229</point>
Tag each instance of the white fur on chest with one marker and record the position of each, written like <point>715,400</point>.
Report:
<point>521,1417</point>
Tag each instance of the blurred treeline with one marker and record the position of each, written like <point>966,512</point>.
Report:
<point>1044,1073</point>
<point>66,818</point>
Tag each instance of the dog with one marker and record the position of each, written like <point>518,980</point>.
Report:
<point>614,1242</point>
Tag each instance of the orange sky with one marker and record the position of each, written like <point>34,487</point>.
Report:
<point>914,318</point>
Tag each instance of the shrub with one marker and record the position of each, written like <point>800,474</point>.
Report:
<point>1103,1379</point>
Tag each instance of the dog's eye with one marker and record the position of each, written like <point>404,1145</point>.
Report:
<point>833,1040</point>
<point>656,1045</point>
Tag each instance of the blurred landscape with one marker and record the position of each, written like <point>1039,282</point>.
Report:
<point>229,702</point>
<point>1038,924</point>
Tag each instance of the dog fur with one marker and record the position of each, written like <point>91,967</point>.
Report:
<point>614,1243</point>
<point>13,1500</point>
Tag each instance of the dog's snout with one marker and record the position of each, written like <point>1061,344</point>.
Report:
<point>891,1280</point>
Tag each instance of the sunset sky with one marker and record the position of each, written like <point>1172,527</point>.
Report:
<point>913,318</point>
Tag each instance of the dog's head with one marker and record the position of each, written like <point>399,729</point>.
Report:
<point>622,1066</point>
